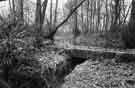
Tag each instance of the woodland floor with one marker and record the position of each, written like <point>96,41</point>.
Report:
<point>97,72</point>
<point>101,72</point>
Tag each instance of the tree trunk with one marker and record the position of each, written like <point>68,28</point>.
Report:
<point>75,27</point>
<point>107,16</point>
<point>117,11</point>
<point>39,21</point>
<point>55,17</point>
<point>38,24</point>
<point>51,15</point>
<point>19,10</point>
<point>43,11</point>
<point>91,24</point>
<point>133,11</point>
<point>38,13</point>
<point>98,19</point>
<point>82,15</point>
<point>87,26</point>
<point>12,8</point>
